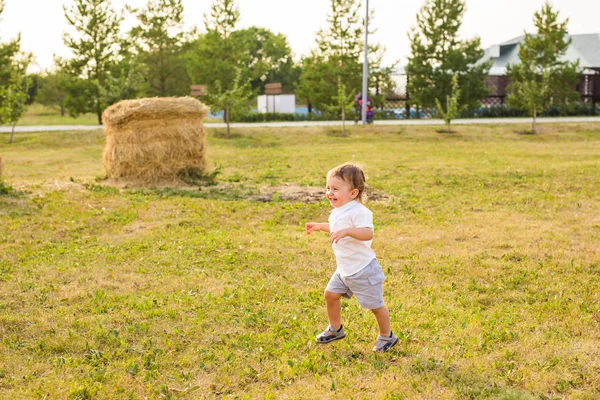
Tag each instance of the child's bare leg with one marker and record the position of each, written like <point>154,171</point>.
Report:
<point>334,309</point>
<point>382,315</point>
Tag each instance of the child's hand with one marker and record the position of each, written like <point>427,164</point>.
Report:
<point>312,227</point>
<point>336,236</point>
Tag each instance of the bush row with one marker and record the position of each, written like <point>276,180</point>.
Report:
<point>273,117</point>
<point>574,109</point>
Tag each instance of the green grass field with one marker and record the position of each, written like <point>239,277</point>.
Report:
<point>37,114</point>
<point>490,241</point>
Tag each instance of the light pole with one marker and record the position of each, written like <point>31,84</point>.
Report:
<point>365,83</point>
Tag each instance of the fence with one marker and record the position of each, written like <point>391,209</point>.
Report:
<point>396,104</point>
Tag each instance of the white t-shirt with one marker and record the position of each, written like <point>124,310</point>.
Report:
<point>351,254</point>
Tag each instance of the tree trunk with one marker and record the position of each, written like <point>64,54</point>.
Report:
<point>163,86</point>
<point>12,133</point>
<point>62,110</point>
<point>343,120</point>
<point>406,102</point>
<point>448,109</point>
<point>99,113</point>
<point>533,128</point>
<point>226,115</point>
<point>162,77</point>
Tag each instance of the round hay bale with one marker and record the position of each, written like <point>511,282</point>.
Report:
<point>155,140</point>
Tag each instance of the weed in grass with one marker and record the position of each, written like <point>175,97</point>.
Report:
<point>236,178</point>
<point>5,189</point>
<point>101,189</point>
<point>446,131</point>
<point>200,178</point>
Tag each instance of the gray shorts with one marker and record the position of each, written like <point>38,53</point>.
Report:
<point>366,284</point>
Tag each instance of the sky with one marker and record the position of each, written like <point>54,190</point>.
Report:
<point>42,24</point>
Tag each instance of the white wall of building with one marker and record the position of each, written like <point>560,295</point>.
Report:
<point>277,103</point>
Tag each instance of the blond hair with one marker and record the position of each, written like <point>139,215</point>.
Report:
<point>352,174</point>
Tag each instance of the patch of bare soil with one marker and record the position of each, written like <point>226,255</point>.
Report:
<point>133,184</point>
<point>377,196</point>
<point>285,192</point>
<point>306,194</point>
<point>9,204</point>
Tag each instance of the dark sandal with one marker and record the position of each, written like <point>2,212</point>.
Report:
<point>330,334</point>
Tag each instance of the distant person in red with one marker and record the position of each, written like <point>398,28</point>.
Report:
<point>370,109</point>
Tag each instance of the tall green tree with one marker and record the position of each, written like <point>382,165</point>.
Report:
<point>451,109</point>
<point>34,86</point>
<point>225,55</point>
<point>437,54</point>
<point>543,77</point>
<point>8,51</point>
<point>338,59</point>
<point>268,57</point>
<point>310,84</point>
<point>211,59</point>
<point>224,52</point>
<point>11,58</point>
<point>343,104</point>
<point>98,51</point>
<point>215,57</point>
<point>126,76</point>
<point>224,16</point>
<point>50,92</point>
<point>14,99</point>
<point>232,100</point>
<point>161,41</point>
<point>14,82</point>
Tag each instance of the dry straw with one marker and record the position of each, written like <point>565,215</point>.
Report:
<point>155,140</point>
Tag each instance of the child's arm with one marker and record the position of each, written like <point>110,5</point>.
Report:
<point>356,233</point>
<point>316,226</point>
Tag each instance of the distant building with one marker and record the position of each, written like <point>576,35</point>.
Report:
<point>278,103</point>
<point>400,80</point>
<point>585,48</point>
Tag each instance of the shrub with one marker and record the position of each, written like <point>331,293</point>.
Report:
<point>570,109</point>
<point>275,117</point>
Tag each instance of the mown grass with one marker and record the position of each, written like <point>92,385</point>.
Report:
<point>37,114</point>
<point>490,241</point>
